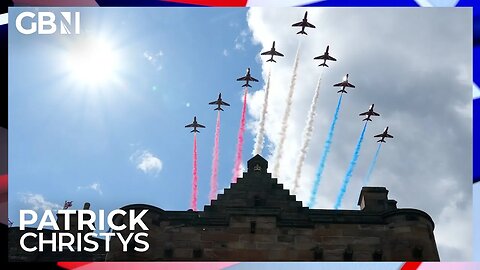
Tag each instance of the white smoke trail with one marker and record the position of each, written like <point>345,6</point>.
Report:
<point>307,135</point>
<point>257,150</point>
<point>286,115</point>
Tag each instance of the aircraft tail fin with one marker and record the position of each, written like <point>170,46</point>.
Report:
<point>381,140</point>
<point>195,130</point>
<point>218,109</point>
<point>302,32</point>
<point>271,60</point>
<point>323,65</point>
<point>367,119</point>
<point>246,85</point>
<point>342,91</point>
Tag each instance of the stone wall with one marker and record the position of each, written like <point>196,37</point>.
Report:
<point>256,219</point>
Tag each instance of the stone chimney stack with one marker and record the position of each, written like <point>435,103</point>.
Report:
<point>374,199</point>
<point>73,221</point>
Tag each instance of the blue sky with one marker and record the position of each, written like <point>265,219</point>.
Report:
<point>71,141</point>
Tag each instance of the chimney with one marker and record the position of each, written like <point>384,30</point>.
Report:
<point>73,221</point>
<point>374,199</point>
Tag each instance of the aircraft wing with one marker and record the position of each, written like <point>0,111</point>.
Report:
<point>339,84</point>
<point>266,53</point>
<point>242,79</point>
<point>202,126</point>
<point>331,58</point>
<point>350,85</point>
<point>375,114</point>
<point>277,53</point>
<point>310,25</point>
<point>320,57</point>
<point>224,103</point>
<point>378,136</point>
<point>365,113</point>
<point>298,24</point>
<point>388,136</point>
<point>253,79</point>
<point>191,125</point>
<point>213,102</point>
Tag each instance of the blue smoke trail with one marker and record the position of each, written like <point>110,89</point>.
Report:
<point>326,150</point>
<point>346,180</point>
<point>372,165</point>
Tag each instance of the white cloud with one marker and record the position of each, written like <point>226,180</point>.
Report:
<point>241,40</point>
<point>225,52</point>
<point>94,186</point>
<point>146,162</point>
<point>407,68</point>
<point>38,202</point>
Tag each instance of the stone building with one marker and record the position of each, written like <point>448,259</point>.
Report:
<point>256,219</point>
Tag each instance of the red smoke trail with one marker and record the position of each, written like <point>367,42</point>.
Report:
<point>193,203</point>
<point>213,180</point>
<point>241,131</point>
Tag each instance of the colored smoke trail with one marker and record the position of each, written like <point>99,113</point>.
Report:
<point>372,165</point>
<point>323,160</point>
<point>286,115</point>
<point>257,150</point>
<point>193,203</point>
<point>214,179</point>
<point>241,131</point>
<point>307,135</point>
<point>349,173</point>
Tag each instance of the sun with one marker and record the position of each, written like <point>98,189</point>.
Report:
<point>93,62</point>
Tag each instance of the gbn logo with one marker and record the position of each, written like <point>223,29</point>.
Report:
<point>46,23</point>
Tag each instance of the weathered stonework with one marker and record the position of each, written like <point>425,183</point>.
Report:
<point>256,219</point>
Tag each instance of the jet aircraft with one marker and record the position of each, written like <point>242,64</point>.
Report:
<point>369,113</point>
<point>383,135</point>
<point>304,23</point>
<point>195,125</point>
<point>344,84</point>
<point>272,52</point>
<point>247,78</point>
<point>219,102</point>
<point>326,56</point>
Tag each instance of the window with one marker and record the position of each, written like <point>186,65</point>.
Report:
<point>197,253</point>
<point>168,253</point>
<point>377,255</point>
<point>253,226</point>
<point>318,254</point>
<point>348,254</point>
<point>417,253</point>
<point>257,201</point>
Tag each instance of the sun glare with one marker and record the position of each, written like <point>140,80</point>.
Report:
<point>92,63</point>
